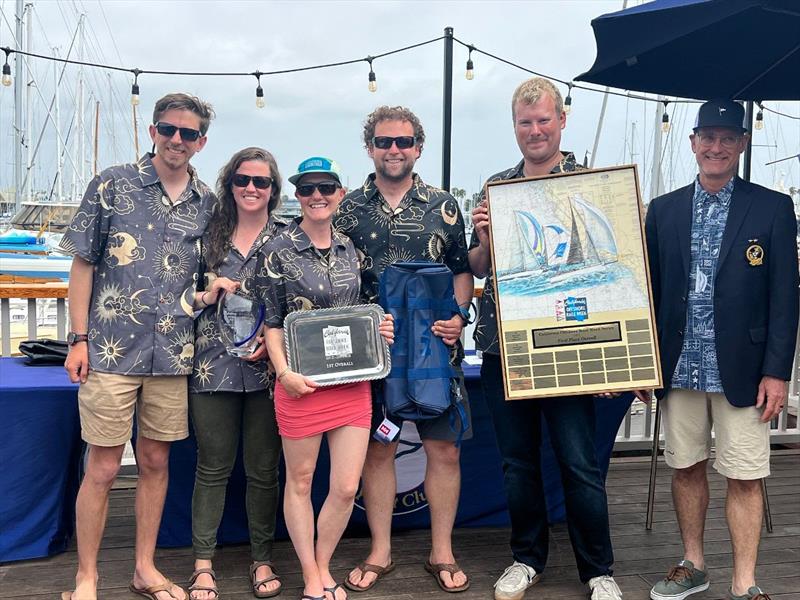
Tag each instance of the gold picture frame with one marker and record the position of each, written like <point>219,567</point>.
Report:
<point>572,284</point>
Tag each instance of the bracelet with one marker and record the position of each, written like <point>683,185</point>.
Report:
<point>203,297</point>
<point>282,373</point>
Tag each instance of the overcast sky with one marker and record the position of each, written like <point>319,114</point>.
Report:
<point>321,112</point>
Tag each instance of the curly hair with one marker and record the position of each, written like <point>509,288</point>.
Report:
<point>531,90</point>
<point>217,241</point>
<point>392,113</point>
<point>181,101</point>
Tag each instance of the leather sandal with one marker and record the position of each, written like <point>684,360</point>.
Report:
<point>193,587</point>
<point>257,583</point>
<point>365,568</point>
<point>151,591</point>
<point>452,568</point>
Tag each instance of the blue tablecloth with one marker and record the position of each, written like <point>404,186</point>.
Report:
<point>40,459</point>
<point>482,500</point>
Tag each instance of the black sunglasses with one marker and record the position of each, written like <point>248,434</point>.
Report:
<point>260,182</point>
<point>326,188</point>
<point>384,142</point>
<point>187,134</point>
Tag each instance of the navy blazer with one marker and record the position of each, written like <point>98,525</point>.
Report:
<point>755,307</point>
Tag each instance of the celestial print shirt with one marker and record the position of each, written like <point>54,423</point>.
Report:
<point>426,225</point>
<point>294,275</point>
<point>697,367</point>
<point>145,249</point>
<point>485,336</point>
<point>214,369</point>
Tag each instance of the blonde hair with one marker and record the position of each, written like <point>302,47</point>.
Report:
<point>530,91</point>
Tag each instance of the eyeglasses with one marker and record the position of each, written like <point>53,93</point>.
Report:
<point>384,142</point>
<point>727,141</point>
<point>326,188</point>
<point>260,182</point>
<point>187,133</point>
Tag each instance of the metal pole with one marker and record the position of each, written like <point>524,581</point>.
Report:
<point>748,151</point>
<point>651,488</point>
<point>447,109</point>
<point>19,126</point>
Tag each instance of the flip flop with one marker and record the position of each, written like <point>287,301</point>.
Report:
<point>256,583</point>
<point>307,597</point>
<point>151,591</point>
<point>193,587</point>
<point>452,568</point>
<point>365,568</point>
<point>332,590</point>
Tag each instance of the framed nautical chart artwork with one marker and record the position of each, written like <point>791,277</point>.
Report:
<point>574,303</point>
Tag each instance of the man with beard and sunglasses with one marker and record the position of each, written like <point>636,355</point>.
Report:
<point>132,290</point>
<point>396,217</point>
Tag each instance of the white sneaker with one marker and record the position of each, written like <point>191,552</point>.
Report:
<point>514,581</point>
<point>604,588</point>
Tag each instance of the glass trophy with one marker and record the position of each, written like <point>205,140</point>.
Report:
<point>331,346</point>
<point>239,319</point>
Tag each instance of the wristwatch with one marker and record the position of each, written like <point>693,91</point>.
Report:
<point>74,338</point>
<point>464,314</point>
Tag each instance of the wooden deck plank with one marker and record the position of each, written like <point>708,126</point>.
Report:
<point>642,557</point>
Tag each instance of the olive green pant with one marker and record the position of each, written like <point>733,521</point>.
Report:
<point>219,420</point>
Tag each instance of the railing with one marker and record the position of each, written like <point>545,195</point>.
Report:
<point>636,432</point>
<point>30,292</point>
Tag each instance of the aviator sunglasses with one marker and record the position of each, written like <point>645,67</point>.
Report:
<point>260,182</point>
<point>384,142</point>
<point>187,133</point>
<point>326,188</point>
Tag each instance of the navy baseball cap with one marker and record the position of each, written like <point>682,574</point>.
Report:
<point>720,113</point>
<point>317,164</point>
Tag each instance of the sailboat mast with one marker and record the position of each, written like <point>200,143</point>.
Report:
<point>19,132</point>
<point>29,108</point>
<point>80,175</point>
<point>656,178</point>
<point>60,142</point>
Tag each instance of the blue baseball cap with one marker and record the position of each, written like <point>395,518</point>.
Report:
<point>720,113</point>
<point>316,164</point>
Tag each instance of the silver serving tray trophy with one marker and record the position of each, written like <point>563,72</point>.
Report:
<point>332,346</point>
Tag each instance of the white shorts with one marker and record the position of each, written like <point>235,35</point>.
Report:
<point>741,439</point>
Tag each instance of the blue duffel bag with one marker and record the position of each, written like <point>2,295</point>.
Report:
<point>422,383</point>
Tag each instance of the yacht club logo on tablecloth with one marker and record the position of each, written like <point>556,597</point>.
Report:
<point>410,463</point>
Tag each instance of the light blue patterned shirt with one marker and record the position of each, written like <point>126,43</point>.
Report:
<point>697,367</point>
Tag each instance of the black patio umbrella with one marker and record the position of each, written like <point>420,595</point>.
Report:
<point>736,49</point>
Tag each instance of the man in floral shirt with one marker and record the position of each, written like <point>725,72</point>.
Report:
<point>136,242</point>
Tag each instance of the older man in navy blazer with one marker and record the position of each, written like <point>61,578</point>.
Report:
<point>724,269</point>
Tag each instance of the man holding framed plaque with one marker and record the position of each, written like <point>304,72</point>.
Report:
<point>723,259</point>
<point>538,117</point>
<point>396,217</point>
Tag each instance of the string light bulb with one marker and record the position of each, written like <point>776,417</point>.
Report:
<point>373,84</point>
<point>665,126</point>
<point>568,100</point>
<point>6,70</point>
<point>759,118</point>
<point>470,74</point>
<point>135,88</point>
<point>260,103</point>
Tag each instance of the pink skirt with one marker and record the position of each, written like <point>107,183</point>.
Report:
<point>323,409</point>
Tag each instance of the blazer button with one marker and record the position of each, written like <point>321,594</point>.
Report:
<point>683,298</point>
<point>680,332</point>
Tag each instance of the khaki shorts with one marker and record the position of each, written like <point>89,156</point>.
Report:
<point>108,401</point>
<point>741,439</point>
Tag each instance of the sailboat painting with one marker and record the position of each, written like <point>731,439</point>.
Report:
<point>570,236</point>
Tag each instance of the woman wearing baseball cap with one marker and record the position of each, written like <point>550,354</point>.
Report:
<point>309,265</point>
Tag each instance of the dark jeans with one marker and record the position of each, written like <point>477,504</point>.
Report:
<point>219,419</point>
<point>571,424</point>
